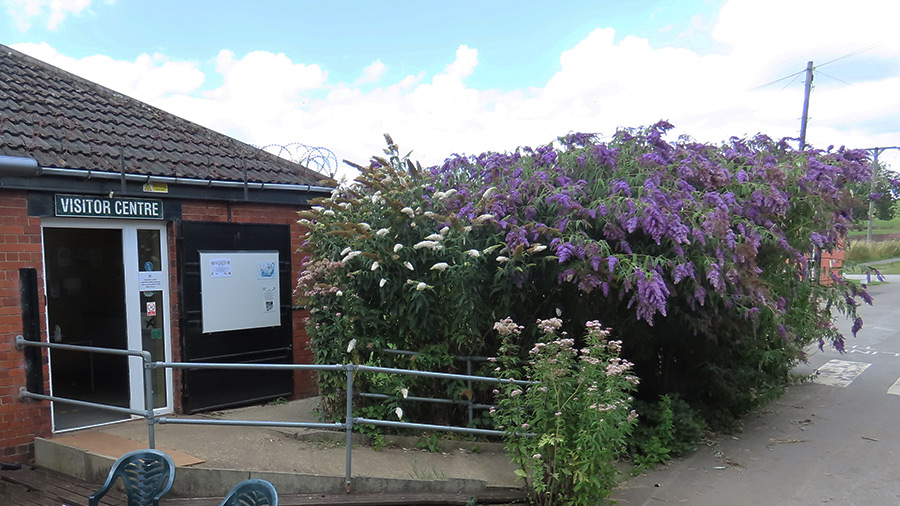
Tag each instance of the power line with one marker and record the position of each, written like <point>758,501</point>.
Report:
<point>817,67</point>
<point>792,81</point>
<point>779,80</point>
<point>835,78</point>
<point>848,55</point>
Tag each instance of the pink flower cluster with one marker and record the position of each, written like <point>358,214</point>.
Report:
<point>617,366</point>
<point>312,280</point>
<point>549,326</point>
<point>507,327</point>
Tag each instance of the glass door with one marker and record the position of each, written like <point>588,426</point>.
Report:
<point>147,287</point>
<point>114,268</point>
<point>152,303</point>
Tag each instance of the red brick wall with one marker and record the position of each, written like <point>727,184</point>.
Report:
<point>174,327</point>
<point>20,247</point>
<point>304,383</point>
<point>832,263</point>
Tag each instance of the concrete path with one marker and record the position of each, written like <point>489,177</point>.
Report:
<point>833,441</point>
<point>321,453</point>
<point>881,262</point>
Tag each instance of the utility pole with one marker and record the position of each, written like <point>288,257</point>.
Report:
<point>813,271</point>
<point>806,93</point>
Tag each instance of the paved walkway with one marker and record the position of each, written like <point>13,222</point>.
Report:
<point>881,262</point>
<point>316,452</point>
<point>831,441</point>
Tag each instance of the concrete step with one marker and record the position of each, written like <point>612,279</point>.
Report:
<point>211,459</point>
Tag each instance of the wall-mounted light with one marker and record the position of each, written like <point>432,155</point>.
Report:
<point>18,166</point>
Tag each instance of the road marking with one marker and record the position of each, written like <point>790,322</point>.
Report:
<point>840,373</point>
<point>869,351</point>
<point>895,388</point>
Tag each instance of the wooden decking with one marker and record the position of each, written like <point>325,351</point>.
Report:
<point>41,487</point>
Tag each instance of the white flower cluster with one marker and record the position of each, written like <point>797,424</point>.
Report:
<point>432,245</point>
<point>420,285</point>
<point>445,195</point>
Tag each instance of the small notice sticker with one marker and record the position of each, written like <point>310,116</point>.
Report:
<point>267,270</point>
<point>151,309</point>
<point>220,268</point>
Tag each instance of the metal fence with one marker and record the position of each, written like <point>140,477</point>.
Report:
<point>347,425</point>
<point>470,404</point>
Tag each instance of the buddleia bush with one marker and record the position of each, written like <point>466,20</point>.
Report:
<point>699,256</point>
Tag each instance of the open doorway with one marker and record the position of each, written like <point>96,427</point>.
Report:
<point>85,289</point>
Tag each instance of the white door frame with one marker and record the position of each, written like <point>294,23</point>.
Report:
<point>129,230</point>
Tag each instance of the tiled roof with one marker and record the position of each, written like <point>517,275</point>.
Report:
<point>62,120</point>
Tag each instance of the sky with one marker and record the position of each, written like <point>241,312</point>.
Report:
<point>472,76</point>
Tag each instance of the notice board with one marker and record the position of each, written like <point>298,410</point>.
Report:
<point>239,290</point>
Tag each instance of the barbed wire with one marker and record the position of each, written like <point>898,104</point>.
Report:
<point>317,158</point>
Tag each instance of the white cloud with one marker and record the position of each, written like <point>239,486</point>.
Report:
<point>148,78</point>
<point>55,11</point>
<point>774,29</point>
<point>372,73</point>
<point>604,82</point>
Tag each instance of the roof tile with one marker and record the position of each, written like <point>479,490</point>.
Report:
<point>62,120</point>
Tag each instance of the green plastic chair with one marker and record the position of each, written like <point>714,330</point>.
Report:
<point>252,493</point>
<point>147,475</point>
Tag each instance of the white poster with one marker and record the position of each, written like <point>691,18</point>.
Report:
<point>239,290</point>
<point>150,281</point>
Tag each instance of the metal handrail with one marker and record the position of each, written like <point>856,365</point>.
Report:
<point>145,357</point>
<point>435,400</point>
<point>233,365</point>
<point>21,342</point>
<point>347,425</point>
<point>426,426</point>
<point>25,394</point>
<point>442,375</point>
<point>252,423</point>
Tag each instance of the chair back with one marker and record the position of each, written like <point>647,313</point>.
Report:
<point>146,474</point>
<point>252,493</point>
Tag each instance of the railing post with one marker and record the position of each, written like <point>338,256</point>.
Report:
<point>148,400</point>
<point>348,422</point>
<point>471,392</point>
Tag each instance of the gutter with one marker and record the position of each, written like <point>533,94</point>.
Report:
<point>17,166</point>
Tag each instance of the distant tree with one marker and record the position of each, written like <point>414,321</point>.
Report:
<point>883,195</point>
<point>885,181</point>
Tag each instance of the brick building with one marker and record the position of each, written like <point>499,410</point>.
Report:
<point>123,226</point>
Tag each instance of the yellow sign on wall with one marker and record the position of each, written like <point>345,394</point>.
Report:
<point>156,188</point>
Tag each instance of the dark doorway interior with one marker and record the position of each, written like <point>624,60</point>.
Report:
<point>86,306</point>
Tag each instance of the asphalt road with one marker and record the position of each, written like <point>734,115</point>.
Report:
<point>833,441</point>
